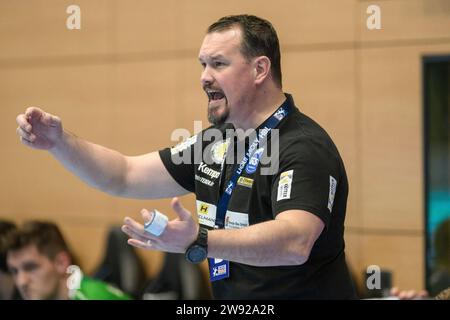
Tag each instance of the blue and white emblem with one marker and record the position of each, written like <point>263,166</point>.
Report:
<point>254,161</point>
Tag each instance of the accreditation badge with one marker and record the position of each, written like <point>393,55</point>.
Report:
<point>218,269</point>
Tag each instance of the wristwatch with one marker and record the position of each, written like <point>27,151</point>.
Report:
<point>198,250</point>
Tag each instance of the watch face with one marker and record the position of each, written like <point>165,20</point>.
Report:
<point>196,254</point>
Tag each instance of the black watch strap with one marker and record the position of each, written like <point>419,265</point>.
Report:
<point>202,237</point>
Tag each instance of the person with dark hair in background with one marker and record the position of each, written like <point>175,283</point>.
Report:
<point>268,234</point>
<point>41,265</point>
<point>8,291</point>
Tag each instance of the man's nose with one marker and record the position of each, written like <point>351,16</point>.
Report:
<point>22,278</point>
<point>206,77</point>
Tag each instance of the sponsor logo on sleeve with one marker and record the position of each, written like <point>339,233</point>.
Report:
<point>332,193</point>
<point>183,145</point>
<point>285,185</point>
<point>206,213</point>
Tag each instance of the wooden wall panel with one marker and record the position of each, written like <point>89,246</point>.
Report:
<point>38,29</point>
<point>391,130</point>
<point>145,105</point>
<point>175,25</point>
<point>80,96</point>
<point>296,22</point>
<point>401,254</point>
<point>408,20</point>
<point>147,26</point>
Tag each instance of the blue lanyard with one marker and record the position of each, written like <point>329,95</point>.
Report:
<point>263,131</point>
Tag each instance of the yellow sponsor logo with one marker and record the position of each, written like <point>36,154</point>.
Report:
<point>219,150</point>
<point>286,177</point>
<point>246,182</point>
<point>285,180</point>
<point>203,208</point>
<point>286,174</point>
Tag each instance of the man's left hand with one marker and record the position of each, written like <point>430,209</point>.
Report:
<point>177,236</point>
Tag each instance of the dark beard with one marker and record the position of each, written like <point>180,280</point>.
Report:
<point>221,119</point>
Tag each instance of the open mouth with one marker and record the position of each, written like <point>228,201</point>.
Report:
<point>214,95</point>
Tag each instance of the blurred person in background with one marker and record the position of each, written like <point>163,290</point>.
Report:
<point>8,291</point>
<point>42,267</point>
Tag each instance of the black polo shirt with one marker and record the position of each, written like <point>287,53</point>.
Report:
<point>307,173</point>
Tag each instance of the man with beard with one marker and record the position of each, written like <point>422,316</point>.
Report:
<point>274,234</point>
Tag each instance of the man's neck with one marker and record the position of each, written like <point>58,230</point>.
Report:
<point>262,106</point>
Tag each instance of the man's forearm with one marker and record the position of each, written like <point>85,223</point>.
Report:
<point>272,243</point>
<point>100,167</point>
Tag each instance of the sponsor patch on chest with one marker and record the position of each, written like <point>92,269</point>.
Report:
<point>212,174</point>
<point>236,220</point>
<point>206,213</point>
<point>245,182</point>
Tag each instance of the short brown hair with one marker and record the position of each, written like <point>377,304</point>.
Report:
<point>259,38</point>
<point>46,236</point>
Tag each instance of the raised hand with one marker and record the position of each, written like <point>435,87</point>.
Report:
<point>38,129</point>
<point>177,236</point>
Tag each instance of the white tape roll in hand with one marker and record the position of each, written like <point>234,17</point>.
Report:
<point>157,224</point>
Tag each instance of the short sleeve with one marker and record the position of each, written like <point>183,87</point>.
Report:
<point>179,162</point>
<point>307,179</point>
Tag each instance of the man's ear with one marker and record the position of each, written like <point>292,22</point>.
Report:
<point>62,261</point>
<point>261,68</point>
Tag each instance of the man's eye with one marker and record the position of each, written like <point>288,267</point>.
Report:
<point>30,267</point>
<point>218,64</point>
